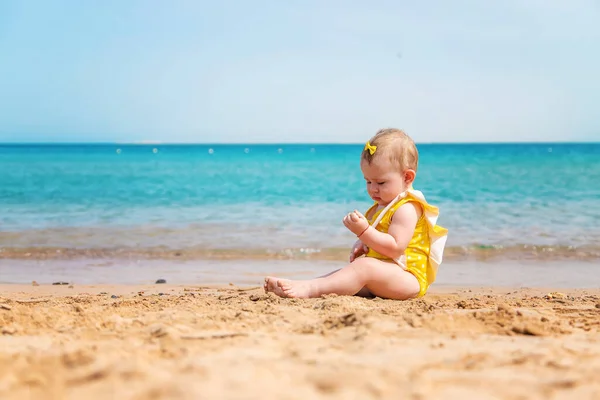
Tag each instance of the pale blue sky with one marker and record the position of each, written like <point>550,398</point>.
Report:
<point>299,70</point>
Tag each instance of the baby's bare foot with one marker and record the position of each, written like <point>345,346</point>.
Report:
<point>271,285</point>
<point>296,289</point>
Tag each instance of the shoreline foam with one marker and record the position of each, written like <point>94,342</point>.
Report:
<point>451,253</point>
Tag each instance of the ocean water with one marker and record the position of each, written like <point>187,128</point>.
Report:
<point>286,201</point>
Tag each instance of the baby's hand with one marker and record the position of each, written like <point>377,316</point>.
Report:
<point>358,250</point>
<point>356,222</point>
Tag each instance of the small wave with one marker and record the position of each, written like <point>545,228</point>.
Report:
<point>456,253</point>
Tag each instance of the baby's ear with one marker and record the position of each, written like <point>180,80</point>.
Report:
<point>409,176</point>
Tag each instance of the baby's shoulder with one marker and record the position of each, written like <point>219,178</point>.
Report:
<point>407,207</point>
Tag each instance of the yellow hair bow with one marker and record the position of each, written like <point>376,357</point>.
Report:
<point>370,147</point>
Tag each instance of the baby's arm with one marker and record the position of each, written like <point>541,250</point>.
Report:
<point>401,230</point>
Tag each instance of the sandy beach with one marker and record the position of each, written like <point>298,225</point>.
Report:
<point>201,342</point>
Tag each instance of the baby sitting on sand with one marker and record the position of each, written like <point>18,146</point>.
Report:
<point>398,236</point>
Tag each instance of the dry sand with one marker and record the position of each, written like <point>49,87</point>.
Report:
<point>128,342</point>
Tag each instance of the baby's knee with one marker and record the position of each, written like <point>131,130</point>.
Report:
<point>364,266</point>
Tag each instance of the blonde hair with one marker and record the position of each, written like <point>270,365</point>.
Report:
<point>394,145</point>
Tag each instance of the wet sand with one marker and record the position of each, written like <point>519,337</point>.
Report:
<point>195,342</point>
<point>514,274</point>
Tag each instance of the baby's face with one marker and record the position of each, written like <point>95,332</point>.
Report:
<point>384,181</point>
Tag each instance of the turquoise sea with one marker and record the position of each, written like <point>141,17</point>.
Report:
<point>285,201</point>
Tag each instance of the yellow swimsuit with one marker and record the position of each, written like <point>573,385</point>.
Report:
<point>424,253</point>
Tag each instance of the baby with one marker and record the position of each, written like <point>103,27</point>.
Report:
<point>398,236</point>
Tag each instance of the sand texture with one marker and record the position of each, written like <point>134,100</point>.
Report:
<point>190,342</point>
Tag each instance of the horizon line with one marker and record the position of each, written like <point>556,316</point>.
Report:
<point>157,143</point>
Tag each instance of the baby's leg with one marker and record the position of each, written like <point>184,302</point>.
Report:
<point>364,292</point>
<point>272,285</point>
<point>380,278</point>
